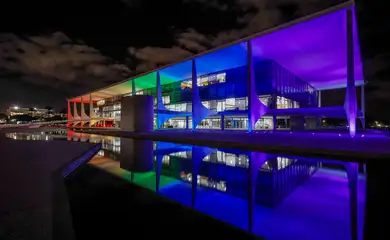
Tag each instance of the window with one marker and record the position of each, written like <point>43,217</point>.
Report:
<point>186,84</point>
<point>264,123</point>
<point>282,102</point>
<point>203,81</point>
<point>221,106</point>
<point>101,102</point>
<point>221,77</point>
<point>166,99</point>
<point>265,100</point>
<point>212,79</point>
<point>230,104</point>
<point>240,104</point>
<point>182,107</point>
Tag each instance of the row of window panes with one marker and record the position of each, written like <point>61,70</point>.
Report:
<point>204,181</point>
<point>113,114</point>
<point>283,162</point>
<point>175,123</point>
<point>205,80</point>
<point>264,123</point>
<point>228,104</point>
<point>114,107</point>
<point>183,154</point>
<point>139,92</point>
<point>181,107</point>
<point>283,103</point>
<point>236,160</point>
<point>210,123</point>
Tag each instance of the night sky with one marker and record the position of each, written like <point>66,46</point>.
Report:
<point>57,49</point>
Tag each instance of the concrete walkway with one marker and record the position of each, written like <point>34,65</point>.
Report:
<point>34,202</point>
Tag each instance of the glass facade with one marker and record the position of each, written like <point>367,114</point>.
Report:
<point>226,93</point>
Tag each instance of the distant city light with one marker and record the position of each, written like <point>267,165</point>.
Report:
<point>35,108</point>
<point>16,107</point>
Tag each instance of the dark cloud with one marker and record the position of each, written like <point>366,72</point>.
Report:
<point>256,16</point>
<point>56,61</point>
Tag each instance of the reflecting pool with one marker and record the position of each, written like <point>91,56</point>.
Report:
<point>275,196</point>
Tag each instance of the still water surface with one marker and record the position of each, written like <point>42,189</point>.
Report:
<point>275,196</point>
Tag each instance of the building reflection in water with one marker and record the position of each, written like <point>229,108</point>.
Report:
<point>228,172</point>
<point>223,170</point>
<point>38,136</point>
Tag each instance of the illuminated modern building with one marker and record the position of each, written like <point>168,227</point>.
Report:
<point>33,112</point>
<point>271,80</point>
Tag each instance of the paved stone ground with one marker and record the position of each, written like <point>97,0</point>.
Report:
<point>33,202</point>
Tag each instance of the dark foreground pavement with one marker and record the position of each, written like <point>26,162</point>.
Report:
<point>33,199</point>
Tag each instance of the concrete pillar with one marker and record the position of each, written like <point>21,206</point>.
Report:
<point>198,154</point>
<point>137,113</point>
<point>160,104</point>
<point>352,170</point>
<point>363,106</point>
<point>222,122</point>
<point>256,160</point>
<point>136,155</point>
<point>159,159</point>
<point>350,104</point>
<point>199,111</point>
<point>256,109</point>
<point>319,102</point>
<point>75,112</point>
<point>274,106</point>
<point>187,122</point>
<point>82,112</point>
<point>319,98</point>
<point>70,117</point>
<point>133,90</point>
<point>90,106</point>
<point>91,113</point>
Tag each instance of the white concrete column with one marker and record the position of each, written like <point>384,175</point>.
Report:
<point>90,106</point>
<point>133,90</point>
<point>350,98</point>
<point>319,98</point>
<point>363,106</point>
